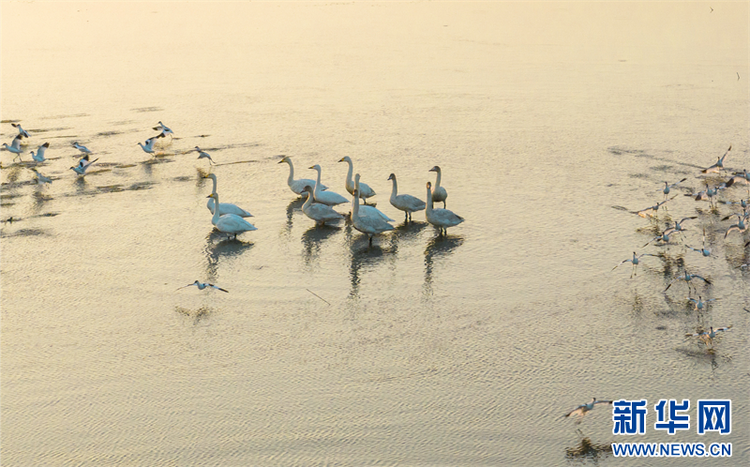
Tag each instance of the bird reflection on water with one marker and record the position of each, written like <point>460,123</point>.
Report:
<point>312,240</point>
<point>217,246</point>
<point>587,450</point>
<point>438,247</point>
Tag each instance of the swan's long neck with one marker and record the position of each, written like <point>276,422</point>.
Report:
<point>355,205</point>
<point>428,206</point>
<point>216,211</point>
<point>394,191</point>
<point>308,201</point>
<point>349,173</point>
<point>317,182</point>
<point>291,172</point>
<point>437,181</point>
<point>213,179</point>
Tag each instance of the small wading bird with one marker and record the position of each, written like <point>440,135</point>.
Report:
<point>635,260</point>
<point>83,149</point>
<point>700,304</point>
<point>39,156</point>
<point>364,189</point>
<point>298,186</point>
<point>164,129</point>
<point>203,285</point>
<point>440,218</point>
<point>582,409</point>
<point>83,165</point>
<point>708,336</point>
<point>652,210</point>
<point>230,224</point>
<point>15,147</point>
<point>21,132</point>
<point>204,155</point>
<point>439,193</point>
<point>703,250</point>
<point>719,165</point>
<point>406,203</point>
<point>687,278</point>
<point>668,187</point>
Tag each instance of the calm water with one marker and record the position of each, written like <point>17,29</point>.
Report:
<point>550,122</point>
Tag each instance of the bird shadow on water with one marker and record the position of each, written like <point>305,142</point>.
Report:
<point>196,315</point>
<point>363,256</point>
<point>587,450</point>
<point>312,240</point>
<point>438,247</point>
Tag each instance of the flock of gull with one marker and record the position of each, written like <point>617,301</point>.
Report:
<point>720,179</point>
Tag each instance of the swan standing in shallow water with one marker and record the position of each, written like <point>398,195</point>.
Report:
<point>230,224</point>
<point>224,208</point>
<point>326,197</point>
<point>318,212</point>
<point>297,186</point>
<point>367,210</point>
<point>406,203</point>
<point>367,225</point>
<point>39,156</point>
<point>364,189</point>
<point>440,218</point>
<point>439,193</point>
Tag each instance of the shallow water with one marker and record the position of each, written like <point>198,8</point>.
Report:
<point>550,121</point>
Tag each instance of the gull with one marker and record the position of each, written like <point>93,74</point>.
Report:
<point>406,203</point>
<point>41,179</point>
<point>439,193</point>
<point>707,194</point>
<point>743,176</point>
<point>204,155</point>
<point>719,165</point>
<point>15,146</point>
<point>83,149</point>
<point>687,278</point>
<point>39,156</point>
<point>326,197</point>
<point>297,186</point>
<point>364,189</point>
<point>164,129</point>
<point>149,146</point>
<point>668,187</point>
<point>651,210</point>
<point>700,303</point>
<point>440,218</point>
<point>703,250</point>
<point>230,224</point>
<point>83,165</point>
<point>664,238</point>
<point>582,409</point>
<point>740,226</point>
<point>203,285</point>
<point>21,132</point>
<point>708,336</point>
<point>678,226</point>
<point>635,260</point>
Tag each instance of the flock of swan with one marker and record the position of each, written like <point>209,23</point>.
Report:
<point>720,180</point>
<point>320,201</point>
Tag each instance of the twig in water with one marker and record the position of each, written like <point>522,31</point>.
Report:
<point>318,296</point>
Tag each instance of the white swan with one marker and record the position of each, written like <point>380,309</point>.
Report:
<point>224,208</point>
<point>326,197</point>
<point>440,218</point>
<point>39,156</point>
<point>366,210</point>
<point>318,212</point>
<point>364,189</point>
<point>367,225</point>
<point>297,186</point>
<point>439,193</point>
<point>230,224</point>
<point>406,203</point>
